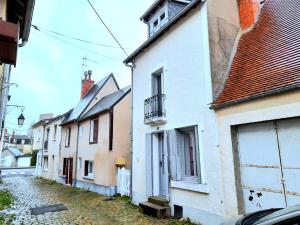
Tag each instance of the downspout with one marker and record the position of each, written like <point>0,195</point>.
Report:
<point>59,150</point>
<point>132,66</point>
<point>76,155</point>
<point>42,158</point>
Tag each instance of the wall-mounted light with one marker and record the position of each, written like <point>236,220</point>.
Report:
<point>21,118</point>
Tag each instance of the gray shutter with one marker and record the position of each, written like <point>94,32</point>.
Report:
<point>148,163</point>
<point>174,155</point>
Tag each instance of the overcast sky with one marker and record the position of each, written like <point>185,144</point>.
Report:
<point>49,67</point>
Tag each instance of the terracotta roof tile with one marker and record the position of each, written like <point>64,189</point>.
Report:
<point>268,57</point>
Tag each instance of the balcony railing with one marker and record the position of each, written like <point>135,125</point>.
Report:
<point>155,107</point>
<point>46,145</point>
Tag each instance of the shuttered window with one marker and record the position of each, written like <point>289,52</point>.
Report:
<point>184,154</point>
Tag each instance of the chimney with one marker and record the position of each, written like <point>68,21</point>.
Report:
<point>86,83</point>
<point>249,10</point>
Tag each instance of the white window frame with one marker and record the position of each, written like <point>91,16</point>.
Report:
<point>160,22</point>
<point>68,137</point>
<point>185,177</point>
<point>90,169</point>
<point>91,138</point>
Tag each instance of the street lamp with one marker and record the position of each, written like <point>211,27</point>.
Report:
<point>21,118</point>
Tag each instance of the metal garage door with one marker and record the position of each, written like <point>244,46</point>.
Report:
<point>269,155</point>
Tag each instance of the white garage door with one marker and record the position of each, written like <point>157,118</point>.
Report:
<point>269,155</point>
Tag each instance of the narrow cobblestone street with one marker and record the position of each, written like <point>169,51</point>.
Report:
<point>84,207</point>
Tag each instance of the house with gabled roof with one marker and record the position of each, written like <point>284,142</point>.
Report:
<point>104,143</point>
<point>258,111</point>
<point>95,134</point>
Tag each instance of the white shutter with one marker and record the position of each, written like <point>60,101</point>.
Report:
<point>91,130</point>
<point>148,164</point>
<point>174,153</point>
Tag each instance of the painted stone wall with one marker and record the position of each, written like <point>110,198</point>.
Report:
<point>223,22</point>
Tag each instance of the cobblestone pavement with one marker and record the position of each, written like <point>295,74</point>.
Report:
<point>84,207</point>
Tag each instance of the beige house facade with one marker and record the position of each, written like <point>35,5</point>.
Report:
<point>95,134</point>
<point>258,119</point>
<point>104,143</point>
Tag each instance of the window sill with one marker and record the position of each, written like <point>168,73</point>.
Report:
<point>88,178</point>
<point>93,143</point>
<point>190,186</point>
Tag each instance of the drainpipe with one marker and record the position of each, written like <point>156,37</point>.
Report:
<point>132,66</point>
<point>76,155</point>
<point>42,158</point>
<point>59,150</point>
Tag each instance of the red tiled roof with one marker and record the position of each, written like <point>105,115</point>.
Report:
<point>268,57</point>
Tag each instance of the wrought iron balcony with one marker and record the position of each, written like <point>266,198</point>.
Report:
<point>155,109</point>
<point>46,145</point>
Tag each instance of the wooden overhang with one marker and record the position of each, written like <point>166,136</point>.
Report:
<point>9,36</point>
<point>14,31</point>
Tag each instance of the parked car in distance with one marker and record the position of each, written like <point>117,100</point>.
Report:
<point>274,216</point>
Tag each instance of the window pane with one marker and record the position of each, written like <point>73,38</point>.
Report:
<point>163,16</point>
<point>189,152</point>
<point>90,167</point>
<point>95,134</point>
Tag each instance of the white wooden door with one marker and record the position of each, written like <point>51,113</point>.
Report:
<point>289,144</point>
<point>270,164</point>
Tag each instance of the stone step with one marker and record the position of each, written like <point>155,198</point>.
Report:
<point>154,210</point>
<point>158,201</point>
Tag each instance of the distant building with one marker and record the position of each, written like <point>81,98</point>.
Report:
<point>38,135</point>
<point>48,157</point>
<point>13,157</point>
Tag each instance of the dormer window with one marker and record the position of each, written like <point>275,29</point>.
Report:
<point>158,21</point>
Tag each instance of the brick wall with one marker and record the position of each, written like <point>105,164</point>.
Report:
<point>86,85</point>
<point>248,12</point>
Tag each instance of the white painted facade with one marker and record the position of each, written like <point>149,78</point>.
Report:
<point>254,118</point>
<point>38,133</point>
<point>50,170</point>
<point>182,54</point>
<point>24,161</point>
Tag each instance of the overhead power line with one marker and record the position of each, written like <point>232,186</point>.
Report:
<point>38,28</point>
<point>77,46</point>
<point>107,27</point>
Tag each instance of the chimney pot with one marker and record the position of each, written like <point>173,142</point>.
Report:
<point>85,75</point>
<point>90,74</point>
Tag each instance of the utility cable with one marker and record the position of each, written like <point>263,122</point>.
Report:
<point>74,45</point>
<point>107,27</point>
<point>38,28</point>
